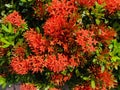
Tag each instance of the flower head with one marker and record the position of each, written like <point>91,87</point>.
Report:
<point>19,65</point>
<point>57,63</point>
<point>35,41</point>
<point>36,63</point>
<point>15,19</point>
<point>86,40</point>
<point>62,7</point>
<point>27,86</point>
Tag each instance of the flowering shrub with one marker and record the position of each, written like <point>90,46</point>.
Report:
<point>46,44</point>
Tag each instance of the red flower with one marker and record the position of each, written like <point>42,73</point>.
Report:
<point>83,87</point>
<point>35,41</point>
<point>54,26</point>
<point>112,5</point>
<point>87,3</point>
<point>57,64</point>
<point>73,62</point>
<point>19,65</point>
<point>15,19</point>
<point>104,33</point>
<point>61,7</point>
<point>107,79</point>
<point>19,51</point>
<point>60,79</point>
<point>27,86</point>
<point>101,1</point>
<point>86,40</point>
<point>36,63</point>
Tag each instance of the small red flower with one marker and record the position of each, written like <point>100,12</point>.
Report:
<point>54,26</point>
<point>105,34</point>
<point>87,3</point>
<point>73,62</point>
<point>83,87</point>
<point>15,19</point>
<point>62,7</point>
<point>112,5</point>
<point>60,79</point>
<point>27,86</point>
<point>107,79</point>
<point>19,65</point>
<point>19,51</point>
<point>86,40</point>
<point>36,63</point>
<point>57,63</point>
<point>36,42</point>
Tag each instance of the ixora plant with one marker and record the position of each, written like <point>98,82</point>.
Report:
<point>72,42</point>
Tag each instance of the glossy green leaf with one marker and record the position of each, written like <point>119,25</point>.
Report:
<point>93,84</point>
<point>97,21</point>
<point>3,82</point>
<point>10,28</point>
<point>4,28</point>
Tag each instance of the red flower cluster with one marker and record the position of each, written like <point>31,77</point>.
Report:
<point>87,3</point>
<point>36,63</point>
<point>108,81</point>
<point>83,87</point>
<point>60,79</point>
<point>73,63</point>
<point>36,42</point>
<point>19,65</point>
<point>19,51</point>
<point>103,33</point>
<point>57,64</point>
<point>61,7</point>
<point>86,40</point>
<point>32,63</point>
<point>110,5</point>
<point>15,19</point>
<point>27,86</point>
<point>54,26</point>
<point>63,46</point>
<point>107,34</point>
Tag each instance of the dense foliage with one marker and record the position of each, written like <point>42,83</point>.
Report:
<point>47,44</point>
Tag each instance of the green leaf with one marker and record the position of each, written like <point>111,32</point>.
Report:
<point>3,82</point>
<point>97,21</point>
<point>77,72</point>
<point>115,58</point>
<point>4,41</point>
<point>4,28</point>
<point>5,46</point>
<point>64,72</point>
<point>23,0</point>
<point>1,35</point>
<point>93,84</point>
<point>8,5</point>
<point>86,78</point>
<point>102,68</point>
<point>10,28</point>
